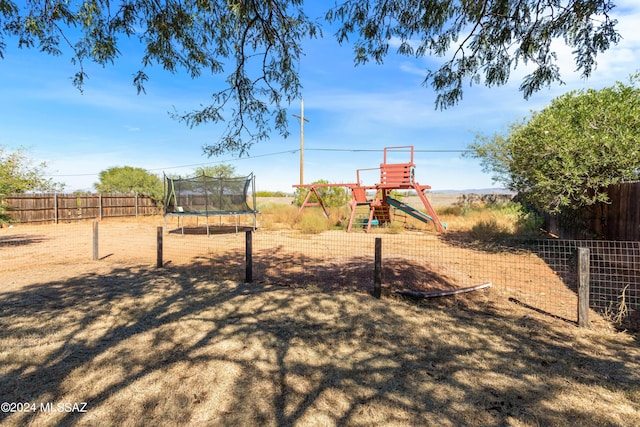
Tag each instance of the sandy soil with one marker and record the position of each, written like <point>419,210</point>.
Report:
<point>330,261</point>
<point>304,345</point>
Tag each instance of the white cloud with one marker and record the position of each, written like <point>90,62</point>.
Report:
<point>617,63</point>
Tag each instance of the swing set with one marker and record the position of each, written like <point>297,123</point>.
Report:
<point>369,211</point>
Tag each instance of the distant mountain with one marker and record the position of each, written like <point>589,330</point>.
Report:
<point>476,191</point>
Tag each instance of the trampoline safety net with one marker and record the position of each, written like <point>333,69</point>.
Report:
<point>206,195</point>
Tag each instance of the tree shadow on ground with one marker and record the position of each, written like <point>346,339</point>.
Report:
<point>21,240</point>
<point>177,346</point>
<point>353,274</point>
<point>497,244</point>
<point>212,230</point>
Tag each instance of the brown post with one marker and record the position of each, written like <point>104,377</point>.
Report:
<point>55,208</point>
<point>377,269</point>
<point>95,241</point>
<point>583,287</point>
<point>159,262</point>
<point>248,271</point>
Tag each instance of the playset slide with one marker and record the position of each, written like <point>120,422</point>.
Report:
<point>409,210</point>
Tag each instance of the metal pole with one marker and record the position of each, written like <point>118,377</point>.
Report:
<point>301,141</point>
<point>302,120</point>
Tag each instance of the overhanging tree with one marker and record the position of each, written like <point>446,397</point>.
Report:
<point>564,157</point>
<point>257,44</point>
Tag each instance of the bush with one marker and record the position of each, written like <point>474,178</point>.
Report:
<point>489,230</point>
<point>528,223</point>
<point>394,227</point>
<point>454,210</point>
<point>271,194</point>
<point>277,216</point>
<point>331,196</point>
<point>313,223</point>
<point>4,216</point>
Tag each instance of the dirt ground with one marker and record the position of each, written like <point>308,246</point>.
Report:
<point>330,261</point>
<point>110,342</point>
<point>131,344</point>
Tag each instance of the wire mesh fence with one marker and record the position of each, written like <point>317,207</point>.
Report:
<point>614,274</point>
<point>420,263</point>
<point>539,274</point>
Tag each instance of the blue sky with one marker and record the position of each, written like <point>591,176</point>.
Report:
<point>349,108</point>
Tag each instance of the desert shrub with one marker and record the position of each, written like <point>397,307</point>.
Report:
<point>489,230</point>
<point>331,196</point>
<point>528,223</point>
<point>394,227</point>
<point>453,210</point>
<point>311,222</point>
<point>277,216</point>
<point>339,217</point>
<point>500,218</point>
<point>271,194</point>
<point>5,218</point>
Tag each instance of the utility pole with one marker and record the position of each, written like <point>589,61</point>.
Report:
<point>302,120</point>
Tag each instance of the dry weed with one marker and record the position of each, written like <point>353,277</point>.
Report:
<point>618,313</point>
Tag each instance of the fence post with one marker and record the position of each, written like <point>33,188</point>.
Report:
<point>55,208</point>
<point>248,271</point>
<point>95,241</point>
<point>377,269</point>
<point>159,233</point>
<point>583,287</point>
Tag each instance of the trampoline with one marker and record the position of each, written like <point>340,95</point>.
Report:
<point>206,196</point>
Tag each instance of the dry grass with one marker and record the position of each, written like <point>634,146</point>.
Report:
<point>481,222</point>
<point>280,214</point>
<point>177,347</point>
<point>277,216</point>
<point>476,219</point>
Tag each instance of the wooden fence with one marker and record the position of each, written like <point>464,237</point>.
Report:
<point>57,208</point>
<point>618,220</point>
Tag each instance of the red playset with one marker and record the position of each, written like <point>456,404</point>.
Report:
<point>375,210</point>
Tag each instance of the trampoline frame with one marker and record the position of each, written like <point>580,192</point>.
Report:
<point>236,214</point>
